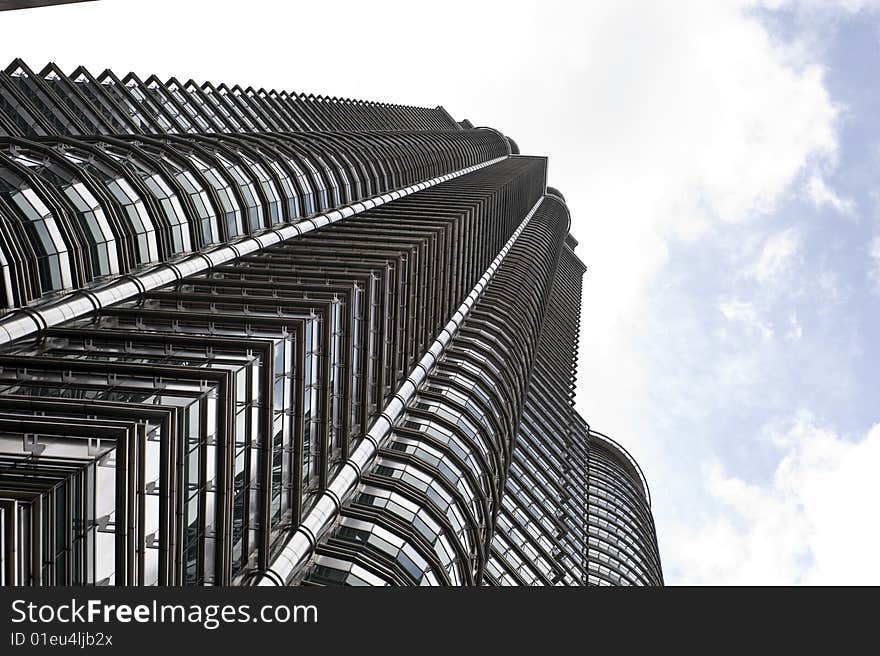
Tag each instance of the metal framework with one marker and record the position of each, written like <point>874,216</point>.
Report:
<point>264,339</point>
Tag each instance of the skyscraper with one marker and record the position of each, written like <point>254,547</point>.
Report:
<point>262,338</point>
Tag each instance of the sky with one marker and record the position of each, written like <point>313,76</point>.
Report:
<point>720,160</point>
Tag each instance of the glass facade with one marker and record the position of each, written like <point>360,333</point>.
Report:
<point>278,339</point>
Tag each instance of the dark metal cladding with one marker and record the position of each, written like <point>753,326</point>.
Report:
<point>543,516</point>
<point>6,5</point>
<point>623,543</point>
<point>75,210</point>
<point>577,508</point>
<point>260,338</point>
<point>440,475</point>
<point>49,102</point>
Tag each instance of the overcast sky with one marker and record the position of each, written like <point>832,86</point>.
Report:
<point>721,163</point>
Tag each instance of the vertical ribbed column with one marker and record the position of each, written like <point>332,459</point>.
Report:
<point>424,512</point>
<point>289,562</point>
<point>542,524</point>
<point>623,541</point>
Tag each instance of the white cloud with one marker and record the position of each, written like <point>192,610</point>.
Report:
<point>795,328</point>
<point>703,119</point>
<point>829,284</point>
<point>831,290</point>
<point>824,196</point>
<point>813,523</point>
<point>777,256</point>
<point>744,312</point>
<point>874,266</point>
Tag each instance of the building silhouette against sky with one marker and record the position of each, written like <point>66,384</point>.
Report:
<point>253,337</point>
